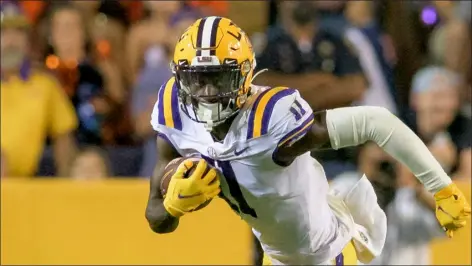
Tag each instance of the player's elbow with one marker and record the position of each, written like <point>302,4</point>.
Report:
<point>382,115</point>
<point>379,123</point>
<point>158,223</point>
<point>159,229</point>
<point>377,116</point>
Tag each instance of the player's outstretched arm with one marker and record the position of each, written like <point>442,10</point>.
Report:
<point>159,219</point>
<point>351,126</point>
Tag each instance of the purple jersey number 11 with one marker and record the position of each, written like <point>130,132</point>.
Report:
<point>234,189</point>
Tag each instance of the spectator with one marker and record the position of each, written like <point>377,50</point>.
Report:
<point>331,16</point>
<point>33,104</point>
<point>106,22</point>
<point>108,33</point>
<point>355,22</point>
<point>321,65</point>
<point>376,54</point>
<point>134,10</point>
<point>449,44</point>
<point>435,115</point>
<point>463,13</point>
<point>450,41</point>
<point>84,84</point>
<point>149,40</point>
<point>32,9</point>
<point>91,163</point>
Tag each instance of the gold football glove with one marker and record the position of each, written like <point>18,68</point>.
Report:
<point>186,194</point>
<point>452,209</point>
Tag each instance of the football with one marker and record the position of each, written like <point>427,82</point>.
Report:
<point>172,167</point>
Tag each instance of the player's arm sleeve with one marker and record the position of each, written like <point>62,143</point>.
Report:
<point>351,126</point>
<point>62,116</point>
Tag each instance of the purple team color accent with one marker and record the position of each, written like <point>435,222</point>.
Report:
<point>290,135</point>
<point>25,70</point>
<point>160,98</point>
<point>270,108</point>
<point>295,113</point>
<point>429,15</point>
<point>250,131</point>
<point>340,260</point>
<point>297,103</point>
<point>175,107</point>
<point>164,137</point>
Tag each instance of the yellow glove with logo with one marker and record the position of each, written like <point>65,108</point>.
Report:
<point>186,194</point>
<point>452,209</point>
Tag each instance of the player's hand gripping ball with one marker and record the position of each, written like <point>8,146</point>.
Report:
<point>188,184</point>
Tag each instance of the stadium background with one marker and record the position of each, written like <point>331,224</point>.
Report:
<point>83,201</point>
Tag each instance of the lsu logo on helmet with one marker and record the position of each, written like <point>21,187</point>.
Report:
<point>213,65</point>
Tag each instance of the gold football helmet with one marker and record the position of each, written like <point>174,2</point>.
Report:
<point>213,66</point>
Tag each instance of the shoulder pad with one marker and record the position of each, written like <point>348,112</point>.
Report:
<point>168,105</point>
<point>262,109</point>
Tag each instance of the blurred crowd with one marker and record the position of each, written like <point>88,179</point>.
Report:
<point>83,76</point>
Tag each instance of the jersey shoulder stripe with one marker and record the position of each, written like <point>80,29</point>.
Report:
<point>168,105</point>
<point>298,132</point>
<point>262,109</point>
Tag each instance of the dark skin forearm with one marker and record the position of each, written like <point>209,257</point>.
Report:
<point>157,216</point>
<point>159,219</point>
<point>317,138</point>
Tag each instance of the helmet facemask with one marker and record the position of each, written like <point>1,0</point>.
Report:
<point>209,94</point>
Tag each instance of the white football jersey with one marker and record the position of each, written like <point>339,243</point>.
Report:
<point>286,205</point>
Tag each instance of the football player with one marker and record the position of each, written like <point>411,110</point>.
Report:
<point>260,139</point>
